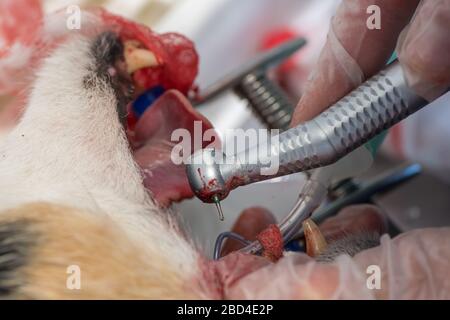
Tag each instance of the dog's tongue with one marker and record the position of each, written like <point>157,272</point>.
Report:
<point>166,180</point>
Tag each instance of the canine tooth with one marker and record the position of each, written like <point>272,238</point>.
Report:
<point>315,242</point>
<point>138,58</point>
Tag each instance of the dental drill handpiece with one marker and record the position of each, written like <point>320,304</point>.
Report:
<point>377,104</point>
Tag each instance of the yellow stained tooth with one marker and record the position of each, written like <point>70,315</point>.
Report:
<point>138,58</point>
<point>315,242</point>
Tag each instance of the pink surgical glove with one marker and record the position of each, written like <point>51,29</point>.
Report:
<point>353,52</point>
<point>415,264</point>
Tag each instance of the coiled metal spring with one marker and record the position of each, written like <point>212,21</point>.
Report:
<point>267,100</point>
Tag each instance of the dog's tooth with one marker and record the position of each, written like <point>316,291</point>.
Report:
<point>315,242</point>
<point>137,58</point>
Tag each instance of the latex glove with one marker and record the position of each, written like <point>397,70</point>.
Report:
<point>413,265</point>
<point>353,53</point>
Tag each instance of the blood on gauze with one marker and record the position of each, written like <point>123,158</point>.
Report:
<point>176,54</point>
<point>183,67</point>
<point>272,241</point>
<point>26,37</point>
<point>130,30</point>
<point>179,65</point>
<point>148,77</point>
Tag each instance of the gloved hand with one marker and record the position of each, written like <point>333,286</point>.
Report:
<point>413,265</point>
<point>353,53</point>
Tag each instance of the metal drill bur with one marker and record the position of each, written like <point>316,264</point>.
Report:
<point>219,208</point>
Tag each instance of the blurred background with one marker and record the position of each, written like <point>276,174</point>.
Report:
<point>227,33</point>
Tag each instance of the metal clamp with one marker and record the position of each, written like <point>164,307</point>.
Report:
<point>250,82</point>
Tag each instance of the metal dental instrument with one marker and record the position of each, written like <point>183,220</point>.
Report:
<point>250,82</point>
<point>362,194</point>
<point>222,237</point>
<point>376,105</point>
<point>265,97</point>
